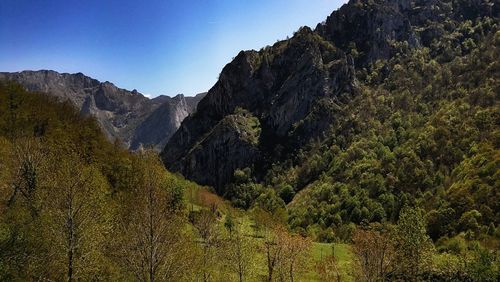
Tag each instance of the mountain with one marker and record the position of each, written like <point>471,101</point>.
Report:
<point>269,105</point>
<point>387,104</point>
<point>125,115</point>
<point>367,149</point>
<point>162,123</point>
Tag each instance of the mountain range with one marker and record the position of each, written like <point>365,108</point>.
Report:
<point>128,116</point>
<point>269,104</point>
<point>364,149</point>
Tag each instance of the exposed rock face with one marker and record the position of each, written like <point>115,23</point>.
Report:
<point>295,87</point>
<point>162,123</point>
<point>122,114</point>
<point>375,27</point>
<point>280,86</point>
<point>232,143</point>
<point>370,27</point>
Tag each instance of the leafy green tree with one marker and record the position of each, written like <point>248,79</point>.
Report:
<point>76,220</point>
<point>484,266</point>
<point>413,245</point>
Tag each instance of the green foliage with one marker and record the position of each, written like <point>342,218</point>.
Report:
<point>422,132</point>
<point>243,192</point>
<point>485,266</point>
<point>270,202</point>
<point>66,194</point>
<point>247,124</point>
<point>413,246</point>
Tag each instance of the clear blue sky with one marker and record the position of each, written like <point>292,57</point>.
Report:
<point>155,46</point>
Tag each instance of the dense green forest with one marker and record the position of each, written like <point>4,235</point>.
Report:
<point>423,132</point>
<point>426,134</point>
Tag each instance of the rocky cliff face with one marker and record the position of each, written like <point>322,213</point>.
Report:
<point>279,86</point>
<point>125,115</point>
<point>379,29</point>
<point>162,123</point>
<point>232,143</point>
<point>296,87</point>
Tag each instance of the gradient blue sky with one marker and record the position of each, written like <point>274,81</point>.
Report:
<point>155,46</point>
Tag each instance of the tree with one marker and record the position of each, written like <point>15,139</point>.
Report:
<point>229,224</point>
<point>76,219</point>
<point>240,254</point>
<point>206,225</point>
<point>286,254</point>
<point>295,256</point>
<point>28,158</point>
<point>328,268</point>
<point>23,250</point>
<point>273,251</point>
<point>374,252</point>
<point>484,266</point>
<point>154,246</point>
<point>412,244</point>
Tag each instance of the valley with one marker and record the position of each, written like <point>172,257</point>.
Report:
<point>363,149</point>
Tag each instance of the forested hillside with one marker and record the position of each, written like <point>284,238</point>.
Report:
<point>366,149</point>
<point>74,207</point>
<point>386,105</point>
<point>425,133</point>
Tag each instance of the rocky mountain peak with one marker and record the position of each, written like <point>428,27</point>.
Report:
<point>295,87</point>
<point>122,114</point>
<point>278,86</point>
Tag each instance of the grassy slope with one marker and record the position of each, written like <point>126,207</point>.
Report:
<point>201,197</point>
<point>342,254</point>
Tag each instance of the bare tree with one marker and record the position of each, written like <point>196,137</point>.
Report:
<point>328,268</point>
<point>206,224</point>
<point>240,253</point>
<point>295,254</point>
<point>286,254</point>
<point>273,251</point>
<point>299,251</point>
<point>374,251</point>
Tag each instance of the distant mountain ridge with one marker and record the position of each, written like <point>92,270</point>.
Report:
<point>122,114</point>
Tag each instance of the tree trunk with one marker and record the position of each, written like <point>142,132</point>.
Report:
<point>240,269</point>
<point>269,266</point>
<point>151,237</point>
<point>70,242</point>
<point>70,265</point>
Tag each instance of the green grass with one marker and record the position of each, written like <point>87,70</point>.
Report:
<point>342,251</point>
<point>319,251</point>
<point>343,255</point>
